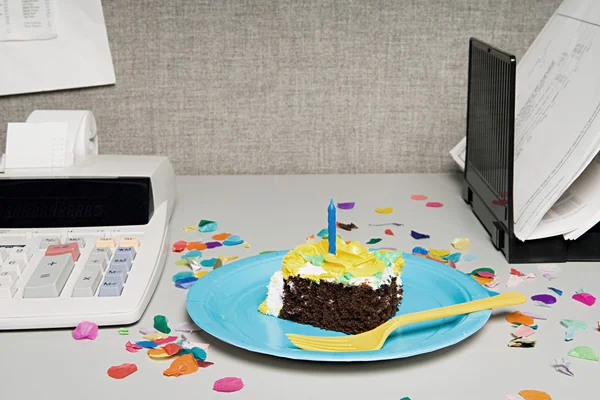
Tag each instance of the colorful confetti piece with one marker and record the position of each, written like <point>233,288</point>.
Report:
<point>186,283</point>
<point>221,236</point>
<point>569,334</point>
<point>534,395</point>
<point>388,223</point>
<point>228,385</point>
<point>186,327</point>
<point>417,235</point>
<point>549,276</point>
<point>420,250</point>
<point>585,298</point>
<point>233,240</point>
<point>563,366</point>
<point>196,246</point>
<point>122,371</point>
<point>192,254</point>
<point>461,244</point>
<point>374,240</point>
<point>525,342</point>
<point>577,325</point>
<point>322,233</point>
<point>434,204</point>
<point>200,274</point>
<point>555,290</point>
<point>182,365</point>
<point>523,331</point>
<point>544,298</point>
<point>165,340</point>
<point>204,364</point>
<point>123,331</point>
<point>347,227</point>
<point>518,318</point>
<point>161,324</point>
<point>346,206</point>
<point>389,232</point>
<point>418,197</point>
<point>85,330</point>
<point>208,263</point>
<point>190,228</point>
<point>212,245</point>
<point>384,210</point>
<point>207,226</point>
<point>146,344</point>
<point>198,353</point>
<point>179,246</point>
<point>585,353</point>
<point>132,347</point>
<point>182,275</point>
<point>470,257</point>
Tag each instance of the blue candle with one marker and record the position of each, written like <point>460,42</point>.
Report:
<point>331,226</point>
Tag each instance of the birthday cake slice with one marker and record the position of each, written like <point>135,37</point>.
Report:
<point>352,291</point>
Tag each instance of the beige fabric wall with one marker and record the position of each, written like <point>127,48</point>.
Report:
<point>291,87</point>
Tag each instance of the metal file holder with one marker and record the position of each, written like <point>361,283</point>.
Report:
<point>489,163</point>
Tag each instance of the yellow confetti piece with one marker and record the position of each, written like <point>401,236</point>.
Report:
<point>157,353</point>
<point>224,258</point>
<point>439,253</point>
<point>386,210</point>
<point>247,245</point>
<point>461,243</point>
<point>201,274</point>
<point>155,336</point>
<point>190,228</point>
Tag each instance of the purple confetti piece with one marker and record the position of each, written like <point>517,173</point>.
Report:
<point>346,206</point>
<point>212,245</point>
<point>417,235</point>
<point>544,298</point>
<point>549,276</point>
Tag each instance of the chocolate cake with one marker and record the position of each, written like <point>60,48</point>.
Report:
<point>352,292</point>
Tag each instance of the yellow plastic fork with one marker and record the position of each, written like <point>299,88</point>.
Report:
<point>374,339</point>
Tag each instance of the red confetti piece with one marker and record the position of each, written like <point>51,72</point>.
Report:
<point>228,385</point>
<point>451,264</point>
<point>122,371</point>
<point>179,246</point>
<point>172,348</point>
<point>434,204</point>
<point>204,364</point>
<point>389,232</point>
<point>516,272</point>
<point>418,197</point>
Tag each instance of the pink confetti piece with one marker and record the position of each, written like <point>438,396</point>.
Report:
<point>85,330</point>
<point>452,265</point>
<point>168,339</point>
<point>486,274</point>
<point>132,347</point>
<point>228,385</point>
<point>549,276</point>
<point>513,396</point>
<point>523,331</point>
<point>534,316</point>
<point>418,197</point>
<point>434,204</point>
<point>346,206</point>
<point>544,298</point>
<point>585,298</point>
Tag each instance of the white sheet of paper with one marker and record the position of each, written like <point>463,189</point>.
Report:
<point>459,153</point>
<point>36,145</point>
<point>27,20</point>
<point>78,57</point>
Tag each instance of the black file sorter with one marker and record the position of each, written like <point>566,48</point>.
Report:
<point>489,163</point>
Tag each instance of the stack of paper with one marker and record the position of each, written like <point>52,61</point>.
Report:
<point>557,127</point>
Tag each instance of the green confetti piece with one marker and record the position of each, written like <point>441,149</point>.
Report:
<point>374,240</point>
<point>582,290</point>
<point>475,271</point>
<point>378,275</point>
<point>388,258</point>
<point>405,398</point>
<point>577,325</point>
<point>123,331</point>
<point>315,260</point>
<point>182,262</point>
<point>266,252</point>
<point>160,324</point>
<point>584,352</point>
<point>345,278</point>
<point>207,226</point>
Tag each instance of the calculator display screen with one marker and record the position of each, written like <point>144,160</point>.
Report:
<point>75,202</point>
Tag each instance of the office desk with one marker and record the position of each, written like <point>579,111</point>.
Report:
<point>274,213</point>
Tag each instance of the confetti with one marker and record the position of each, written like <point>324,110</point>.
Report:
<point>196,246</point>
<point>438,252</point>
<point>247,245</point>
<point>405,398</point>
<point>552,268</point>
<point>534,316</point>
<point>485,269</point>
<point>204,364</point>
<point>221,236</point>
<point>544,298</point>
<point>161,324</point>
<point>194,264</point>
<point>122,371</point>
<point>516,272</point>
<point>148,331</point>
<point>132,347</point>
<point>346,206</point>
<point>182,262</point>
<point>207,226</point>
<point>523,331</point>
<point>233,240</point>
<point>389,232</point>
<point>185,283</point>
<point>549,276</point>
<point>524,342</point>
<point>228,385</point>
<point>569,334</point>
<point>181,275</point>
<point>347,227</point>
<point>514,280</point>
<point>198,353</point>
<point>563,366</point>
<point>418,197</point>
<point>190,345</point>
<point>388,223</point>
<point>482,280</point>
<point>581,290</point>
<point>190,228</point>
<point>172,348</point>
<point>85,330</point>
<point>385,210</point>
<point>470,257</point>
<point>417,235</point>
<point>577,325</point>
<point>146,344</point>
<point>555,290</point>
<point>208,263</point>
<point>179,246</point>
<point>192,254</point>
<point>518,317</point>
<point>490,285</point>
<point>225,258</point>
<point>452,257</point>
<point>186,327</point>
<point>201,273</point>
<point>157,353</point>
<point>182,365</point>
<point>123,331</point>
<point>461,244</point>
<point>584,298</point>
<point>155,336</point>
<point>218,264</point>
<point>585,353</point>
<point>420,250</point>
<point>374,240</point>
<point>486,274</point>
<point>212,245</point>
<point>322,233</point>
<point>165,340</point>
<point>534,395</point>
<point>434,204</point>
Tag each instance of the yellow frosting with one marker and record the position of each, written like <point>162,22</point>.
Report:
<point>352,258</point>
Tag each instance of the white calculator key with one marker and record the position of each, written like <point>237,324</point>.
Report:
<point>20,253</point>
<point>97,260</point>
<point>7,290</point>
<point>14,265</point>
<point>49,277</point>
<point>88,281</point>
<point>104,251</point>
<point>80,241</point>
<point>48,241</point>
<point>3,255</point>
<point>8,276</point>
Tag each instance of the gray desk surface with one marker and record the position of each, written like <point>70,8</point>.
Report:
<point>277,212</point>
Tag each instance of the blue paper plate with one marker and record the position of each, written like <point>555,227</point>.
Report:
<point>225,303</point>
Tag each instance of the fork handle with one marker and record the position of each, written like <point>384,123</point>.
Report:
<point>501,300</point>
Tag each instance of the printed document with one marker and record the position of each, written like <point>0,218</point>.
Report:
<point>27,20</point>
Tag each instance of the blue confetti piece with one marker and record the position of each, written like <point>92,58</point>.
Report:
<point>555,290</point>
<point>569,334</point>
<point>182,275</point>
<point>454,257</point>
<point>322,233</point>
<point>470,257</point>
<point>233,240</point>
<point>186,283</point>
<point>420,250</point>
<point>198,353</point>
<point>207,226</point>
<point>208,263</point>
<point>147,344</point>
<point>417,235</point>
<point>192,254</point>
